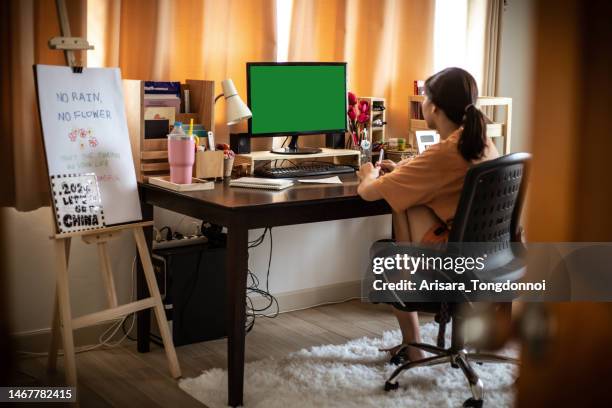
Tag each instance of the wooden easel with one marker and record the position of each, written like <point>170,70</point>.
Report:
<point>62,316</point>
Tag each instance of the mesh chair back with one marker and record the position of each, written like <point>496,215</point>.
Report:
<point>490,204</point>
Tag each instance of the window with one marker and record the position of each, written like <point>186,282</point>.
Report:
<point>450,32</point>
<point>284,10</point>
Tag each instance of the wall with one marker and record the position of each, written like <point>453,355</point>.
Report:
<point>305,256</point>
<point>515,67</point>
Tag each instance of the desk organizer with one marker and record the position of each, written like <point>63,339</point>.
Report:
<point>151,155</point>
<point>209,164</point>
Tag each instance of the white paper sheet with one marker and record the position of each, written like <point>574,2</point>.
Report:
<point>85,131</point>
<point>328,180</point>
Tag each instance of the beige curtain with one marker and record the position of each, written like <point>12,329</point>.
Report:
<point>387,45</point>
<point>482,42</point>
<point>492,41</point>
<point>25,27</point>
<point>148,39</point>
<point>184,39</point>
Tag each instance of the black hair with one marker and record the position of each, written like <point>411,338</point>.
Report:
<point>455,91</point>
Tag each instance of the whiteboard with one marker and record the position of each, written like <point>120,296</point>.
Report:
<point>85,131</point>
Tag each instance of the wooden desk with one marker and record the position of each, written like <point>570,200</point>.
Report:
<point>241,209</point>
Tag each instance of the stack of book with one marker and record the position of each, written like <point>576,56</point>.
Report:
<point>419,87</point>
<point>162,94</point>
<point>416,110</point>
<point>162,101</point>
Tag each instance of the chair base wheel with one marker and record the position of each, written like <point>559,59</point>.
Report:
<point>473,403</point>
<point>397,360</point>
<point>391,386</point>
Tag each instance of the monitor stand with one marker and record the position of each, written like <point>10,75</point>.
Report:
<point>293,149</point>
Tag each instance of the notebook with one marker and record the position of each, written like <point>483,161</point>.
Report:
<point>265,183</point>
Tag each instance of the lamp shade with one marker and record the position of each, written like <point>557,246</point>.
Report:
<point>235,108</point>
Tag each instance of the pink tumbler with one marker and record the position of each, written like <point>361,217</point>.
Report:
<point>181,157</point>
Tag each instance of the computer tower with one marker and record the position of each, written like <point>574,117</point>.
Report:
<point>191,279</point>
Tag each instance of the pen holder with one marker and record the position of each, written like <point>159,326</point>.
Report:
<point>209,164</point>
<point>228,166</point>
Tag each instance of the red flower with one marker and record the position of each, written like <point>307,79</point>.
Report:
<point>352,99</point>
<point>352,114</point>
<point>364,106</point>
<point>363,117</point>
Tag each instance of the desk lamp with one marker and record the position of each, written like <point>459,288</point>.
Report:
<point>235,109</point>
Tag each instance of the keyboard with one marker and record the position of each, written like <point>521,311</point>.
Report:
<point>303,170</point>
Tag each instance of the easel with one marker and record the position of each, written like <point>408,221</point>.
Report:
<point>62,316</point>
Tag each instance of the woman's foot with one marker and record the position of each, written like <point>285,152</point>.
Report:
<point>403,353</point>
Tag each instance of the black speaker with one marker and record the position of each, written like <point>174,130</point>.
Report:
<point>240,143</point>
<point>335,140</point>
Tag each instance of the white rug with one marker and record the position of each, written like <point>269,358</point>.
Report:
<point>353,375</point>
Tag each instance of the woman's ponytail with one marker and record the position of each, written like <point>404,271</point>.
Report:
<point>474,136</point>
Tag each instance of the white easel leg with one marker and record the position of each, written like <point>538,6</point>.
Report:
<point>55,324</point>
<point>160,314</point>
<point>63,297</point>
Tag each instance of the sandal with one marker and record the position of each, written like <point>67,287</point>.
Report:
<point>399,354</point>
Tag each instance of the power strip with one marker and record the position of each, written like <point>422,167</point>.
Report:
<point>180,242</point>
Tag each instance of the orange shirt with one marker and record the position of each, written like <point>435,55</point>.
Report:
<point>434,178</point>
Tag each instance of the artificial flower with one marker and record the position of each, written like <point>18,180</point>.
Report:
<point>352,114</point>
<point>364,106</point>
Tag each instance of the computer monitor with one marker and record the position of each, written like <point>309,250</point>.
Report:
<point>296,98</point>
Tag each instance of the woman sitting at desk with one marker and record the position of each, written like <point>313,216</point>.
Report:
<point>424,192</point>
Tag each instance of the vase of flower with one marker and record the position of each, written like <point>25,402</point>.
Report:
<point>228,158</point>
<point>358,116</point>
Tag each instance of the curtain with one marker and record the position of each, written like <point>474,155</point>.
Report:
<point>467,35</point>
<point>387,45</point>
<point>483,41</point>
<point>185,39</point>
<point>492,41</point>
<point>25,28</point>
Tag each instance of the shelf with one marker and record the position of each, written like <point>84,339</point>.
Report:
<point>419,124</point>
<point>493,101</point>
<point>493,129</point>
<point>340,156</point>
<point>375,133</point>
<point>482,100</point>
<point>267,155</point>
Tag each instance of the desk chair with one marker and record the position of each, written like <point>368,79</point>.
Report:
<point>488,211</point>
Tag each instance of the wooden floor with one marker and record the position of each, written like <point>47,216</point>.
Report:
<point>123,377</point>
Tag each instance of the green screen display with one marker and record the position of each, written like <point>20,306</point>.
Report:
<point>297,98</point>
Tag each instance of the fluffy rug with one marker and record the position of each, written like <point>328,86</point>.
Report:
<point>352,375</point>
